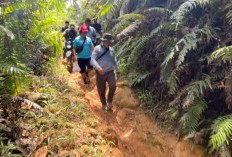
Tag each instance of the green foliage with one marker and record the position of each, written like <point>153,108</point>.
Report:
<point>193,90</point>
<point>15,7</point>
<point>8,32</point>
<point>190,119</point>
<point>7,150</point>
<point>184,45</point>
<point>229,13</point>
<point>223,53</point>
<point>138,78</point>
<point>131,16</point>
<point>221,132</point>
<point>11,69</point>
<point>186,7</point>
<point>157,10</point>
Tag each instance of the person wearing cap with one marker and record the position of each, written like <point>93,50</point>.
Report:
<point>104,61</point>
<point>84,57</point>
<point>91,31</point>
<point>66,26</point>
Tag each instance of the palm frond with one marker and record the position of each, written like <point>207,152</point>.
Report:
<point>8,32</point>
<point>157,10</point>
<point>11,69</point>
<point>131,16</point>
<point>119,27</point>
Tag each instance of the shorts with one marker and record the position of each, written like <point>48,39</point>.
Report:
<point>83,63</point>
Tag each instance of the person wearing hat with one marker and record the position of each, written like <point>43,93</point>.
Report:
<point>82,49</point>
<point>104,61</point>
<point>66,26</point>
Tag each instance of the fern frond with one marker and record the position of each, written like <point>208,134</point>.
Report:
<point>186,7</point>
<point>137,50</point>
<point>184,45</point>
<point>222,131</point>
<point>173,80</point>
<point>139,78</point>
<point>8,32</point>
<point>190,119</point>
<point>194,90</point>
<point>224,53</point>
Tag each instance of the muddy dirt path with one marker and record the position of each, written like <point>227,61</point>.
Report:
<point>135,134</point>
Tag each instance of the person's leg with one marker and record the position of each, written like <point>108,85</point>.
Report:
<point>82,65</point>
<point>89,68</point>
<point>101,88</point>
<point>112,88</point>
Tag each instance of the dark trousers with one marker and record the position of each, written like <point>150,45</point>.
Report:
<point>108,77</point>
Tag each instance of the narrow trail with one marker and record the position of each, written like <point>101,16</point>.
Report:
<point>133,132</point>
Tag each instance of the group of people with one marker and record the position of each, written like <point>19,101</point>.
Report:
<point>99,57</point>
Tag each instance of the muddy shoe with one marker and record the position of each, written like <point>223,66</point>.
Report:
<point>103,106</point>
<point>86,85</point>
<point>109,106</point>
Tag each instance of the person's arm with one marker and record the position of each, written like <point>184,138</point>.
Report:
<point>91,45</point>
<point>94,63</point>
<point>92,48</point>
<point>74,50</point>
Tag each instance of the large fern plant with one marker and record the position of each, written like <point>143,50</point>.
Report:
<point>221,132</point>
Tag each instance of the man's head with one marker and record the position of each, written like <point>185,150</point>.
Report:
<point>87,22</point>
<point>83,30</point>
<point>95,21</point>
<point>66,23</point>
<point>106,40</point>
<point>72,26</point>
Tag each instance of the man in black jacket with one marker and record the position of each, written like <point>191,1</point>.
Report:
<point>66,26</point>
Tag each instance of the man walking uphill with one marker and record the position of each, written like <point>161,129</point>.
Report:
<point>105,63</point>
<point>82,48</point>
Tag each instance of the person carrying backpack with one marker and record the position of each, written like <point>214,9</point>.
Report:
<point>104,61</point>
<point>82,48</point>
